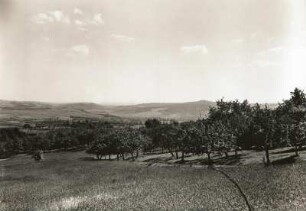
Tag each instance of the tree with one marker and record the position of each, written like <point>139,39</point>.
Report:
<point>100,147</point>
<point>168,135</point>
<point>300,136</point>
<point>231,121</point>
<point>153,127</point>
<point>152,123</point>
<point>207,140</point>
<point>298,97</point>
<point>291,115</point>
<point>239,122</point>
<point>119,141</point>
<point>264,122</point>
<point>188,138</point>
<point>136,141</point>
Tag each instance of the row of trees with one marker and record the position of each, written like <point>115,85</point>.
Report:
<point>230,126</point>
<point>119,141</point>
<point>26,140</point>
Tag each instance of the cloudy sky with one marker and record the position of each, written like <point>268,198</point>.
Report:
<point>134,51</point>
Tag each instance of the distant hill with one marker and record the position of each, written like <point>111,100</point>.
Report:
<point>177,111</point>
<point>13,112</point>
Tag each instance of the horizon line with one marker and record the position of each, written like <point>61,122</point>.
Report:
<point>130,103</point>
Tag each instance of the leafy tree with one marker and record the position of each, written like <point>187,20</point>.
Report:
<point>168,135</point>
<point>231,121</point>
<point>264,123</point>
<point>153,127</point>
<point>152,123</point>
<point>119,141</point>
<point>188,138</point>
<point>291,115</point>
<point>100,147</point>
<point>300,136</point>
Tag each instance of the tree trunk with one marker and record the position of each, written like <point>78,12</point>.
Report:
<point>208,157</point>
<point>183,156</point>
<point>296,151</point>
<point>176,154</point>
<point>267,154</point>
<point>226,154</point>
<point>109,157</point>
<point>137,153</point>
<point>170,151</point>
<point>118,157</point>
<point>123,156</point>
<point>132,154</point>
<point>236,152</point>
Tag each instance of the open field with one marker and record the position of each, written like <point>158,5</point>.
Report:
<point>73,181</point>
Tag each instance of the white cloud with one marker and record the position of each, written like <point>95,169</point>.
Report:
<point>77,11</point>
<point>97,19</point>
<point>81,49</point>
<point>50,17</point>
<point>42,18</point>
<point>57,15</point>
<point>83,23</point>
<point>195,49</point>
<point>122,38</point>
<point>79,23</point>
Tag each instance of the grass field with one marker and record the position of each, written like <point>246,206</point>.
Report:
<point>70,181</point>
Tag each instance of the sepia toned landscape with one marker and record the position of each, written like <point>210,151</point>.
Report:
<point>238,157</point>
<point>152,105</point>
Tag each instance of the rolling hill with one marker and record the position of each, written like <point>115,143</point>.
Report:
<point>13,112</point>
<point>177,111</point>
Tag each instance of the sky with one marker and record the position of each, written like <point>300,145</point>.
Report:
<point>140,51</point>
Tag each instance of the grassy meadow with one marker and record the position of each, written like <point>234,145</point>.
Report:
<point>73,181</point>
